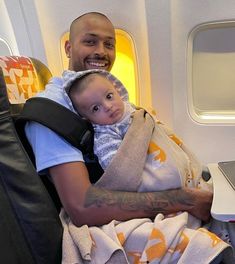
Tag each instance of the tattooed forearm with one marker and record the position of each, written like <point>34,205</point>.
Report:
<point>158,202</point>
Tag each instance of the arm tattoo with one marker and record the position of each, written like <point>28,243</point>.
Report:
<point>158,202</point>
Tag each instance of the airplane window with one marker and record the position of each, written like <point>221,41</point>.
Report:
<point>211,73</point>
<point>4,48</point>
<point>125,64</point>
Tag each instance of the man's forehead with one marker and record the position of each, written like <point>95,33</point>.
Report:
<point>96,34</point>
<point>95,26</point>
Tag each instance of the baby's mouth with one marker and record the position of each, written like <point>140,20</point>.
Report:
<point>114,113</point>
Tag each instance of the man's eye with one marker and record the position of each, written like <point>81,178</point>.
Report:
<point>95,108</point>
<point>109,45</point>
<point>89,42</point>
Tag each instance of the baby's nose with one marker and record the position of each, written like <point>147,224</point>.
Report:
<point>108,106</point>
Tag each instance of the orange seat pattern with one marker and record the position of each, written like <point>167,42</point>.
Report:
<point>24,77</point>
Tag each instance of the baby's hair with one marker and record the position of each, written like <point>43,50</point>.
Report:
<point>80,84</point>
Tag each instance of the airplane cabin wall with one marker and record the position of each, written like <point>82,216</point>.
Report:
<point>169,24</point>
<point>160,30</point>
<point>211,142</point>
<point>6,30</point>
<point>158,15</point>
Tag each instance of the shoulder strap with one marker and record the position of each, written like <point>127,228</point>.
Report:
<point>77,131</point>
<point>58,118</point>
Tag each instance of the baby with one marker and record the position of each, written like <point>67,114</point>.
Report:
<point>102,99</point>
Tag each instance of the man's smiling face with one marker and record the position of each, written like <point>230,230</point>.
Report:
<point>91,44</point>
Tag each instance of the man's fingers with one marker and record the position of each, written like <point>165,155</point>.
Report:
<point>138,117</point>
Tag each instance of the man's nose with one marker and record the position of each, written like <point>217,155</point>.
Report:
<point>100,49</point>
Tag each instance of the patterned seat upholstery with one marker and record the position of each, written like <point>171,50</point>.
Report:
<point>24,77</point>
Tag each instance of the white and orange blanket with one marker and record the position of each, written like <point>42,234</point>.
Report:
<point>172,239</point>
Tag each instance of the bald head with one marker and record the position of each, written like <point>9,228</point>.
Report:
<point>88,18</point>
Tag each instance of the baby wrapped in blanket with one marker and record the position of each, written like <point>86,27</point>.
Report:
<point>168,165</point>
<point>101,98</point>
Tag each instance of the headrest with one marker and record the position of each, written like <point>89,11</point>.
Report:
<point>24,77</point>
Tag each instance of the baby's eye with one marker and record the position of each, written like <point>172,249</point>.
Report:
<point>109,96</point>
<point>95,108</point>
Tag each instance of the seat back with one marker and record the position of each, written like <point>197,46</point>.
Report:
<point>30,228</point>
<point>24,77</point>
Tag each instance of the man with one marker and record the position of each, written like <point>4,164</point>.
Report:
<point>92,45</point>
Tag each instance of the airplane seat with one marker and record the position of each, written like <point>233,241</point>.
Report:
<point>30,228</point>
<point>24,77</point>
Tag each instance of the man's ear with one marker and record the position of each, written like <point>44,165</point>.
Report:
<point>67,48</point>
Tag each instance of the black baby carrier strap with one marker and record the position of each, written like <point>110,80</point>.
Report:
<point>58,118</point>
<point>77,131</point>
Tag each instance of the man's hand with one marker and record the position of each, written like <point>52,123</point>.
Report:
<point>200,203</point>
<point>142,118</point>
<point>130,155</point>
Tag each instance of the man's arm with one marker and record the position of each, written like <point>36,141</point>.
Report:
<point>90,205</point>
<point>94,205</point>
<point>126,168</point>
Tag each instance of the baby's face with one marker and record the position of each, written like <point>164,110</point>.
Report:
<point>99,102</point>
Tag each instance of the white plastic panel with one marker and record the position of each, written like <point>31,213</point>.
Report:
<point>8,42</point>
<point>170,24</point>
<point>211,66</point>
<point>4,48</point>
